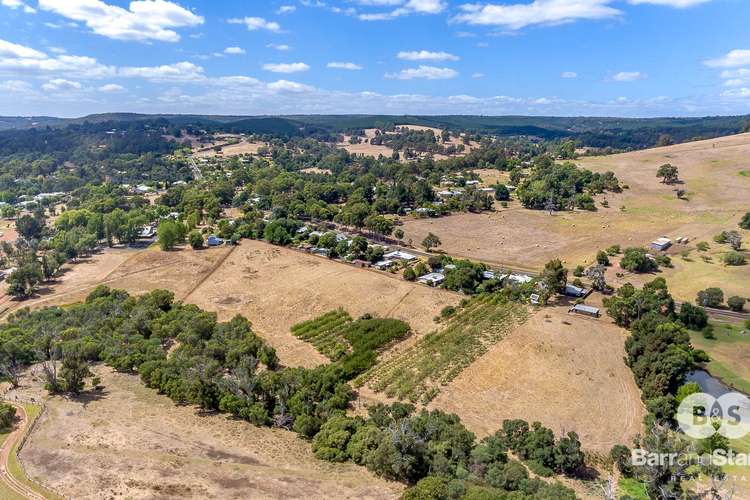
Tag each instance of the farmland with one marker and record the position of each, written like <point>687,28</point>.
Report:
<point>730,354</point>
<point>417,372</point>
<point>564,371</point>
<point>717,198</point>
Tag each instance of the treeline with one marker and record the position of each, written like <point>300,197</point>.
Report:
<point>224,366</point>
<point>658,350</point>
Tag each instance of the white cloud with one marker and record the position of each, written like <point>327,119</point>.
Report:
<point>733,59</point>
<point>179,72</point>
<point>111,87</point>
<point>279,46</point>
<point>736,78</point>
<point>286,9</point>
<point>629,76</point>
<point>234,50</point>
<point>257,23</point>
<point>544,12</point>
<point>10,49</point>
<point>15,86</point>
<point>426,72</point>
<point>404,8</point>
<point>18,4</point>
<point>60,85</point>
<point>568,74</point>
<point>426,55</point>
<point>680,4</point>
<point>344,65</point>
<point>286,67</point>
<point>18,59</point>
<point>477,76</point>
<point>743,92</point>
<point>144,20</point>
<point>287,86</point>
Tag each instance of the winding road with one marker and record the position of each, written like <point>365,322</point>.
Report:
<point>5,454</point>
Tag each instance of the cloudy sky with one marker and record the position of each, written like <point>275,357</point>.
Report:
<point>542,57</point>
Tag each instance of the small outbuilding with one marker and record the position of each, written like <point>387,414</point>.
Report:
<point>214,241</point>
<point>661,244</point>
<point>585,310</point>
<point>576,291</point>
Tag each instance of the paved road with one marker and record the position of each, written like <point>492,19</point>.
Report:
<point>194,167</point>
<point>5,454</point>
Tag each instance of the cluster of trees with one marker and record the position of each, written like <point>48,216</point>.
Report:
<point>48,159</point>
<point>658,350</point>
<point>7,416</point>
<point>551,186</point>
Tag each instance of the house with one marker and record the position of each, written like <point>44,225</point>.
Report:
<point>661,244</point>
<point>472,183</point>
<point>323,252</point>
<point>534,298</point>
<point>585,310</point>
<point>432,279</point>
<point>489,191</point>
<point>214,241</point>
<point>575,291</point>
<point>384,264</point>
<point>143,189</point>
<point>519,279</point>
<point>399,255</point>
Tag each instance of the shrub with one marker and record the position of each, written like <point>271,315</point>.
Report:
<point>636,260</point>
<point>663,260</point>
<point>429,488</point>
<point>703,246</point>
<point>708,332</point>
<point>710,297</point>
<point>7,416</point>
<point>447,312</point>
<point>578,271</point>
<point>539,469</point>
<point>195,238</point>
<point>734,259</point>
<point>409,274</point>
<point>736,303</point>
<point>602,258</point>
<point>745,222</point>
<point>613,250</point>
<point>693,317</point>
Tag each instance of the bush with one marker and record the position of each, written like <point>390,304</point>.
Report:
<point>539,469</point>
<point>693,317</point>
<point>636,260</point>
<point>429,488</point>
<point>745,222</point>
<point>578,271</point>
<point>409,274</point>
<point>447,312</point>
<point>703,246</point>
<point>7,416</point>
<point>734,259</point>
<point>736,304</point>
<point>602,258</point>
<point>613,250</point>
<point>195,238</point>
<point>710,297</point>
<point>708,332</point>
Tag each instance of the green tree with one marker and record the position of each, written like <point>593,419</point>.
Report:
<point>555,276</point>
<point>637,260</point>
<point>195,238</point>
<point>745,221</point>
<point>602,258</point>
<point>167,234</point>
<point>431,241</point>
<point>736,303</point>
<point>29,227</point>
<point>668,173</point>
<point>710,297</point>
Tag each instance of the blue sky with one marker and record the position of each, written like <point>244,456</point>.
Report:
<point>540,57</point>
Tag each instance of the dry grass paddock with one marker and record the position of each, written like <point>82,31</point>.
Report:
<point>562,370</point>
<point>130,442</point>
<point>717,188</point>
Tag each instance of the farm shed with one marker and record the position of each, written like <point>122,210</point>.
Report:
<point>661,243</point>
<point>575,291</point>
<point>585,310</point>
<point>399,255</point>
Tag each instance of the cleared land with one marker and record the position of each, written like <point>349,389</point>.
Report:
<point>376,150</point>
<point>718,196</point>
<point>564,371</point>
<point>129,442</point>
<point>729,353</point>
<point>272,286</point>
<point>240,148</point>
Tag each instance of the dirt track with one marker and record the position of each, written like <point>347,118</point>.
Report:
<point>5,453</point>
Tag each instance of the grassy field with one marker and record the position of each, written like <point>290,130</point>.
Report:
<point>730,354</point>
<point>712,172</point>
<point>417,373</point>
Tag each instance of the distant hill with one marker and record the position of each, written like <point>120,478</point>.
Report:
<point>619,133</point>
